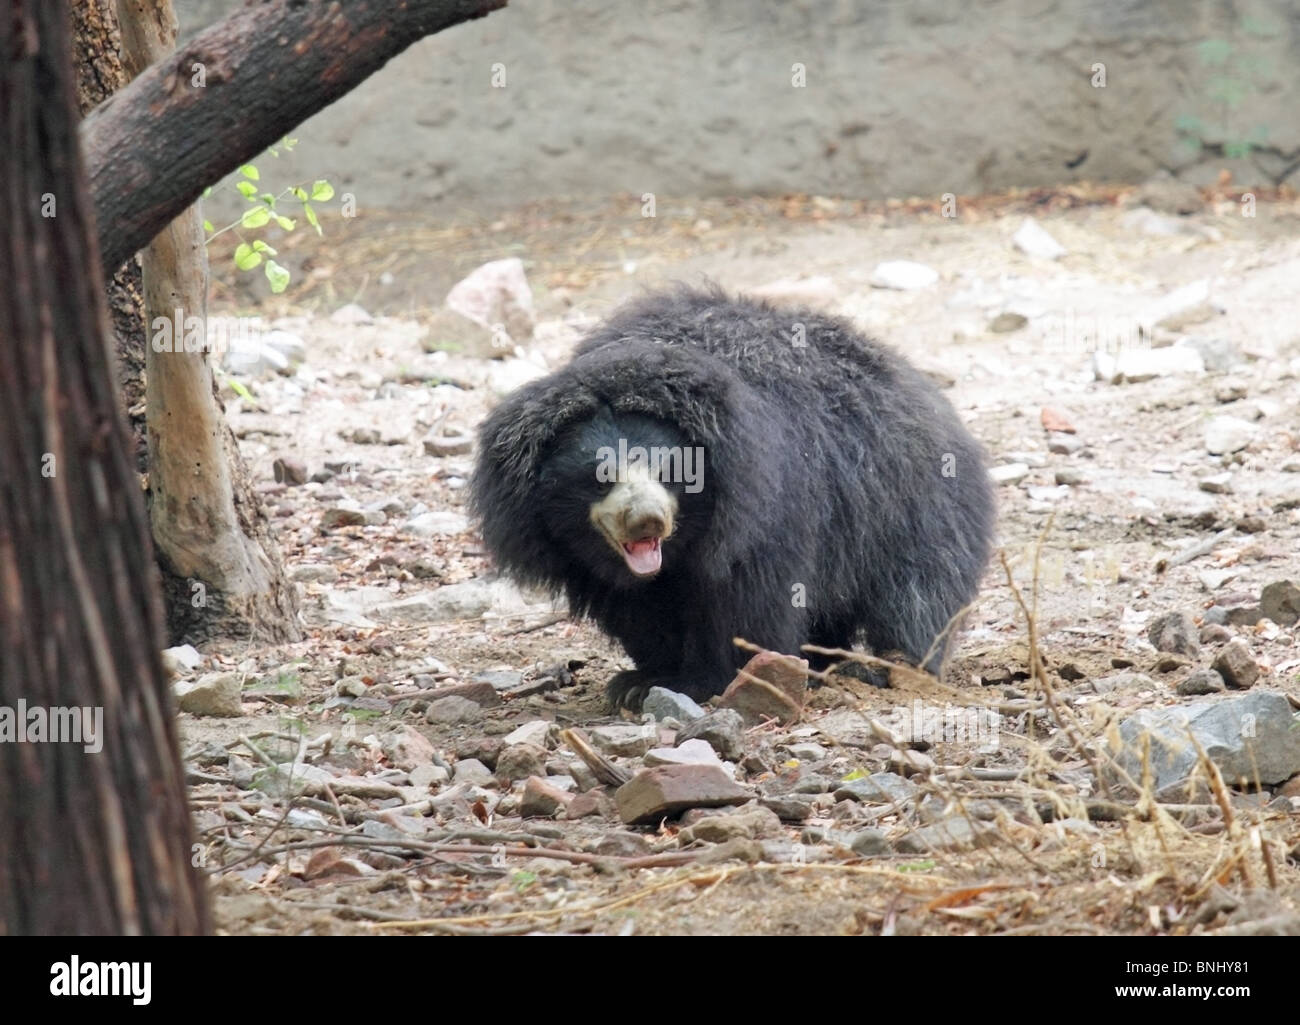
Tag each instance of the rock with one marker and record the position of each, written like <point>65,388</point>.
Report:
<point>1237,733</point>
<point>1124,683</point>
<point>723,730</point>
<point>437,523</point>
<point>1032,239</point>
<point>1055,422</point>
<point>770,686</point>
<point>1218,354</point>
<point>753,822</point>
<point>508,374</point>
<point>787,808</point>
<point>625,740</point>
<point>1174,631</point>
<point>818,291</point>
<point>1202,681</point>
<point>448,444</point>
<point>589,802</point>
<point>807,752</point>
<point>1225,434</point>
<point>1213,633</point>
<point>342,516</point>
<point>181,659</point>
<point>1133,365</point>
<point>669,704</point>
<point>956,833</point>
<point>878,788</point>
<point>1280,602</point>
<point>216,694</point>
<point>534,732</point>
<point>313,573</point>
<point>466,600</point>
<point>1063,444</point>
<point>519,761</point>
<point>1240,613</point>
<point>542,800</point>
<point>351,313</point>
<point>290,471</point>
<point>451,331</point>
<point>472,772</point>
<point>1236,665</point>
<point>480,692</point>
<point>1183,306</point>
<point>1008,473</point>
<point>501,680</point>
<point>496,293</point>
<point>406,748</point>
<point>869,842</point>
<point>452,710</point>
<point>1216,484</point>
<point>689,752</point>
<point>903,275</point>
<point>668,790</point>
<point>428,775</point>
<point>1069,477</point>
<point>1006,322</point>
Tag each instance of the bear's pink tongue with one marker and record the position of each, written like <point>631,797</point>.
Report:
<point>643,557</point>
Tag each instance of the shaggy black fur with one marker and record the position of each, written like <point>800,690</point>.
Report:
<point>833,470</point>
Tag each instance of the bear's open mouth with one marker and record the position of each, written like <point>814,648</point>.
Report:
<point>643,557</point>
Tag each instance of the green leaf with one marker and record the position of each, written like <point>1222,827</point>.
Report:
<point>288,143</point>
<point>245,256</point>
<point>286,223</point>
<point>246,189</point>
<point>251,172</point>
<point>278,276</point>
<point>855,774</point>
<point>916,866</point>
<point>1237,150</point>
<point>310,214</point>
<point>240,390</point>
<point>262,247</point>
<point>322,190</point>
<point>207,192</point>
<point>207,226</point>
<point>268,199</point>
<point>1189,123</point>
<point>300,194</point>
<point>255,218</point>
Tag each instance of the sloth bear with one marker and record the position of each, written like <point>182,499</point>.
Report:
<point>708,468</point>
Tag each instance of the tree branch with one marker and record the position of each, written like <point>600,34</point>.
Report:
<point>234,90</point>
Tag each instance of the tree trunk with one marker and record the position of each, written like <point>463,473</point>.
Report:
<point>222,570</point>
<point>94,835</point>
<point>237,88</point>
<point>97,61</point>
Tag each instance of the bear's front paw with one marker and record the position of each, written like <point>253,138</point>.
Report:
<point>627,690</point>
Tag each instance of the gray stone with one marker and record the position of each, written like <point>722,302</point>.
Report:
<point>723,729</point>
<point>1238,732</point>
<point>669,704</point>
<point>519,761</point>
<point>467,600</point>
<point>1008,473</point>
<point>216,694</point>
<point>668,790</point>
<point>1006,322</point>
<point>534,732</point>
<point>625,740</point>
<point>1216,484</point>
<point>1174,631</point>
<point>1280,602</point>
<point>452,710</point>
<point>1236,665</point>
<point>868,843</point>
<point>1202,681</point>
<point>472,772</point>
<point>753,822</point>
<point>1134,365</point>
<point>903,275</point>
<point>689,752</point>
<point>180,660</point>
<point>448,445</point>
<point>1032,239</point>
<point>438,523</point>
<point>878,788</point>
<point>807,751</point>
<point>451,331</point>
<point>956,833</point>
<point>1224,434</point>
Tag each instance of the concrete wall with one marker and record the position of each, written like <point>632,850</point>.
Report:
<point>902,98</point>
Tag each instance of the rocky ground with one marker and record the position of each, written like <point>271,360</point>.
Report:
<point>436,755</point>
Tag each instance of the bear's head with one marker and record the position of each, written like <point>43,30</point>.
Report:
<point>625,494</point>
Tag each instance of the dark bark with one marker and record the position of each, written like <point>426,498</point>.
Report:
<point>89,842</point>
<point>155,145</point>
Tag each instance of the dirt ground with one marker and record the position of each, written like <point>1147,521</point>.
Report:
<point>1106,520</point>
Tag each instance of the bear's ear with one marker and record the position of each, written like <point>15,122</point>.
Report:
<point>518,432</point>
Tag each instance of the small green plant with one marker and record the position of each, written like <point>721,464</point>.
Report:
<point>1233,74</point>
<point>252,253</point>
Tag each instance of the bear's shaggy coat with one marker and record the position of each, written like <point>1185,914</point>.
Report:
<point>842,500</point>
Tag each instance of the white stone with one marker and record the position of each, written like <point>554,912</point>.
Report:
<point>903,275</point>
<point>1033,240</point>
